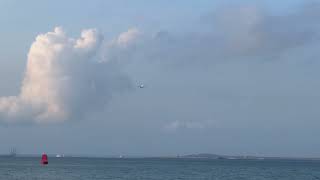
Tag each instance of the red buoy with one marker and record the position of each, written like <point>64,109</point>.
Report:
<point>44,159</point>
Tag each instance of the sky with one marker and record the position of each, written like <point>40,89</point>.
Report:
<point>234,78</point>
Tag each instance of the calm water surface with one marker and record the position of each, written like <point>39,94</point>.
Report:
<point>157,169</point>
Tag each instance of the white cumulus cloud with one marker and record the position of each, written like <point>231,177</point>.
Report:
<point>64,79</point>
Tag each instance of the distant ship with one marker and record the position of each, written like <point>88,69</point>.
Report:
<point>12,153</point>
<point>59,155</point>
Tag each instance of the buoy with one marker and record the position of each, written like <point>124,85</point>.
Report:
<point>44,159</point>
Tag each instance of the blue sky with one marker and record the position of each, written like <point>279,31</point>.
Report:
<point>242,81</point>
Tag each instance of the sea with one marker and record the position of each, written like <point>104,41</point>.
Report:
<point>26,168</point>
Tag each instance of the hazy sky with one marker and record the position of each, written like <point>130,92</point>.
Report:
<point>236,77</point>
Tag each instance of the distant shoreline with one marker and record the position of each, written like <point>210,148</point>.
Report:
<point>190,156</point>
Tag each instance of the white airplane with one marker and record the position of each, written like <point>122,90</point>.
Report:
<point>141,86</point>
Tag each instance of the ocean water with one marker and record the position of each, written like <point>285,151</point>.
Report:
<point>157,169</point>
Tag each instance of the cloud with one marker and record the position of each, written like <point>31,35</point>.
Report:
<point>120,48</point>
<point>64,79</point>
<point>126,38</point>
<point>67,78</point>
<point>241,63</point>
<point>179,125</point>
<point>233,34</point>
<point>254,31</point>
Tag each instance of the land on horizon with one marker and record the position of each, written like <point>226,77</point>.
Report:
<point>188,156</point>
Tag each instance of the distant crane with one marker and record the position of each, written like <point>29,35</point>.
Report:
<point>13,152</point>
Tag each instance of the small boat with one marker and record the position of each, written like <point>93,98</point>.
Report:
<point>44,159</point>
